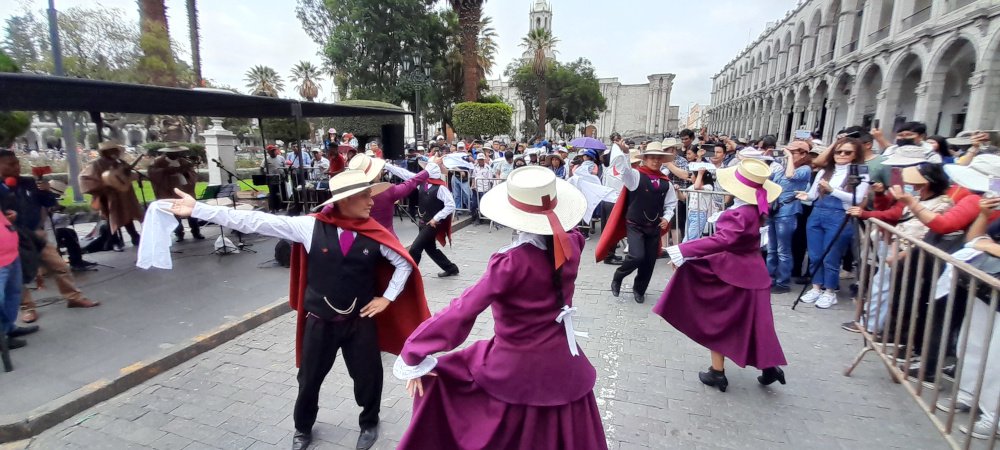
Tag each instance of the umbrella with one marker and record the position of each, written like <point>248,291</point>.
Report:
<point>588,142</point>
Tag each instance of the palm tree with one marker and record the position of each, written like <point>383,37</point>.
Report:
<point>307,75</point>
<point>192,11</point>
<point>156,65</point>
<point>470,13</point>
<point>486,47</point>
<point>540,44</point>
<point>263,80</point>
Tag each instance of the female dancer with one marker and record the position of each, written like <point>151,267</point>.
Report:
<point>530,386</point>
<point>720,294</point>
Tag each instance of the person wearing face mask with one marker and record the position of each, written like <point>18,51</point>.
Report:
<point>909,133</point>
<point>832,194</point>
<point>173,170</point>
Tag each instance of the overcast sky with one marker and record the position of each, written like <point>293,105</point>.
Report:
<point>627,39</point>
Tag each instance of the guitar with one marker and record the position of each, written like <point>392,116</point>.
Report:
<point>119,178</point>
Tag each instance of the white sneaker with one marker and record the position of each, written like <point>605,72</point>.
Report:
<point>944,405</point>
<point>982,429</point>
<point>811,296</point>
<point>826,300</point>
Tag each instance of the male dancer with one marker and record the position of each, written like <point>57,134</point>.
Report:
<point>435,205</point>
<point>172,170</point>
<point>341,261</point>
<point>646,205</point>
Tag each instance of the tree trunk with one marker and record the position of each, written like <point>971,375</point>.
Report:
<point>192,10</point>
<point>543,98</point>
<point>157,63</point>
<point>468,21</point>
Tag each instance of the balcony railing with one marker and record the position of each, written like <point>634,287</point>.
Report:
<point>961,3</point>
<point>882,33</point>
<point>795,70</point>
<point>850,47</point>
<point>809,65</point>
<point>771,81</point>
<point>826,57</point>
<point>917,18</point>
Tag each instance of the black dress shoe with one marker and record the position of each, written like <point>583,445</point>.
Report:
<point>616,286</point>
<point>301,441</point>
<point>197,236</point>
<point>448,273</point>
<point>613,261</point>
<point>367,438</point>
<point>179,237</point>
<point>22,331</point>
<point>770,375</point>
<point>13,343</point>
<point>639,298</point>
<point>780,289</point>
<point>714,378</point>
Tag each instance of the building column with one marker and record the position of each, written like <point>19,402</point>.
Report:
<point>219,144</point>
<point>831,120</point>
<point>852,110</point>
<point>921,111</point>
<point>781,69</point>
<point>882,111</point>
<point>808,51</point>
<point>845,32</point>
<point>783,122</point>
<point>976,117</point>
<point>793,56</point>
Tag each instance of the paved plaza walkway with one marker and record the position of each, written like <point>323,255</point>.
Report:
<point>240,395</point>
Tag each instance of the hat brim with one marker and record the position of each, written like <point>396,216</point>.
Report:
<point>903,161</point>
<point>657,153</point>
<point>727,179</point>
<point>173,149</point>
<point>960,141</point>
<point>569,210</point>
<point>376,188</point>
<point>911,175</point>
<point>967,177</point>
<point>376,169</point>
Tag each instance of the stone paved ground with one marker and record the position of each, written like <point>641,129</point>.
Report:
<point>241,394</point>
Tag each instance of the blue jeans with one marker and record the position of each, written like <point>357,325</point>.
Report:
<point>779,248</point>
<point>820,230</point>
<point>461,192</point>
<point>10,295</point>
<point>696,221</point>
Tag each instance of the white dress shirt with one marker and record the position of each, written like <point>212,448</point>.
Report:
<point>630,178</point>
<point>612,180</point>
<point>840,173</point>
<point>296,229</point>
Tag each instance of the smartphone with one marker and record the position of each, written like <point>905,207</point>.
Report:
<point>876,124</point>
<point>803,134</point>
<point>896,177</point>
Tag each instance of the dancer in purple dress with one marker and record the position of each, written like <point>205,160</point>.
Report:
<point>530,386</point>
<point>720,293</point>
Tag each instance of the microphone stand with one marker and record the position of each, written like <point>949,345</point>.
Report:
<point>230,175</point>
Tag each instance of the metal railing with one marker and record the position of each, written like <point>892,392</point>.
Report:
<point>917,18</point>
<point>826,57</point>
<point>850,47</point>
<point>809,65</point>
<point>878,35</point>
<point>702,209</point>
<point>930,317</point>
<point>794,70</point>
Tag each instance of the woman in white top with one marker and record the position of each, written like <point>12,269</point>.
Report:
<point>700,206</point>
<point>832,193</point>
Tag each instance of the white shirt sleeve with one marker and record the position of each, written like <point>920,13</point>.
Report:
<point>403,271</point>
<point>400,172</point>
<point>629,176</point>
<point>295,229</point>
<point>674,252</point>
<point>848,198</point>
<point>814,189</point>
<point>669,202</point>
<point>449,204</point>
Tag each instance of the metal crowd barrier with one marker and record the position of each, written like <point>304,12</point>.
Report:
<point>705,207</point>
<point>935,340</point>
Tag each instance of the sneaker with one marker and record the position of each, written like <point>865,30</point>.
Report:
<point>982,429</point>
<point>826,300</point>
<point>945,404</point>
<point>811,296</point>
<point>853,327</point>
<point>780,289</point>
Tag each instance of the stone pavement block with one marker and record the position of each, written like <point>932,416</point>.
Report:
<point>85,437</point>
<point>192,430</point>
<point>171,441</point>
<point>153,419</point>
<point>269,434</point>
<point>131,432</point>
<point>200,415</point>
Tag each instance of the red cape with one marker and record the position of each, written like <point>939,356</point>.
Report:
<point>444,227</point>
<point>616,220</point>
<point>398,321</point>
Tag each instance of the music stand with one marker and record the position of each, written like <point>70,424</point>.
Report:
<point>216,192</point>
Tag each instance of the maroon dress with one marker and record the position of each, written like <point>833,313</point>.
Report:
<point>521,389</point>
<point>721,296</point>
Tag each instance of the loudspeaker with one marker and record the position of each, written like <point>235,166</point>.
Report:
<point>392,141</point>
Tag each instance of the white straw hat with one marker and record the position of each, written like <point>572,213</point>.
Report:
<point>976,176</point>
<point>752,172</point>
<point>173,149</point>
<point>372,167</point>
<point>350,182</point>
<point>655,148</point>
<point>909,155</point>
<point>531,185</point>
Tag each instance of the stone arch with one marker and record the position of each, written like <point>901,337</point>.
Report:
<point>802,97</point>
<point>795,57</point>
<point>784,53</point>
<point>948,76</point>
<point>867,88</point>
<point>905,77</point>
<point>820,113</point>
<point>810,54</point>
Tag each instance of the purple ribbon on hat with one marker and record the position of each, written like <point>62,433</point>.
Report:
<point>761,193</point>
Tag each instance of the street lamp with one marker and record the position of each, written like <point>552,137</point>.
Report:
<point>418,77</point>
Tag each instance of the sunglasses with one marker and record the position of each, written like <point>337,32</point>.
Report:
<point>844,152</point>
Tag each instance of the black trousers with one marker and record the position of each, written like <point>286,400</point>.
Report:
<point>67,239</point>
<point>192,222</point>
<point>643,249</point>
<point>425,242</point>
<point>799,244</point>
<point>358,339</point>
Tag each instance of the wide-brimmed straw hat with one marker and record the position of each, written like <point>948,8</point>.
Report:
<point>173,149</point>
<point>655,148</point>
<point>109,145</point>
<point>634,156</point>
<point>372,167</point>
<point>350,182</point>
<point>535,201</point>
<point>962,139</point>
<point>912,175</point>
<point>671,143</point>
<point>750,181</point>
<point>976,176</point>
<point>910,155</point>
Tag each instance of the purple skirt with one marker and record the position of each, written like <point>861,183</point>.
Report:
<point>456,413</point>
<point>733,321</point>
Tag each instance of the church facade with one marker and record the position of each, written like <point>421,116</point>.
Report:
<point>632,109</point>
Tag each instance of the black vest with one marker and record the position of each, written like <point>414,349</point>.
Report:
<point>645,203</point>
<point>429,205</point>
<point>337,279</point>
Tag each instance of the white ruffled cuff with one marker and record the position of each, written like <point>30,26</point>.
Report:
<point>406,372</point>
<point>675,255</point>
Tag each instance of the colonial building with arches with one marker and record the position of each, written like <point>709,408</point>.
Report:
<point>832,63</point>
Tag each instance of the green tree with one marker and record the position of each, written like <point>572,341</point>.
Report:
<point>482,119</point>
<point>284,129</point>
<point>540,44</point>
<point>486,47</point>
<point>16,123</point>
<point>308,76</point>
<point>264,81</point>
<point>469,20</point>
<point>157,65</point>
<point>575,92</point>
<point>195,37</point>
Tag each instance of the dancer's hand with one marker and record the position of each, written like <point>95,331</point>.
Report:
<point>664,223</point>
<point>433,223</point>
<point>377,305</point>
<point>416,385</point>
<point>183,206</point>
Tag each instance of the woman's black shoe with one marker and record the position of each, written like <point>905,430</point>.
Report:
<point>770,375</point>
<point>715,378</point>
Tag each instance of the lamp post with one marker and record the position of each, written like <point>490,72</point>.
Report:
<point>417,76</point>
